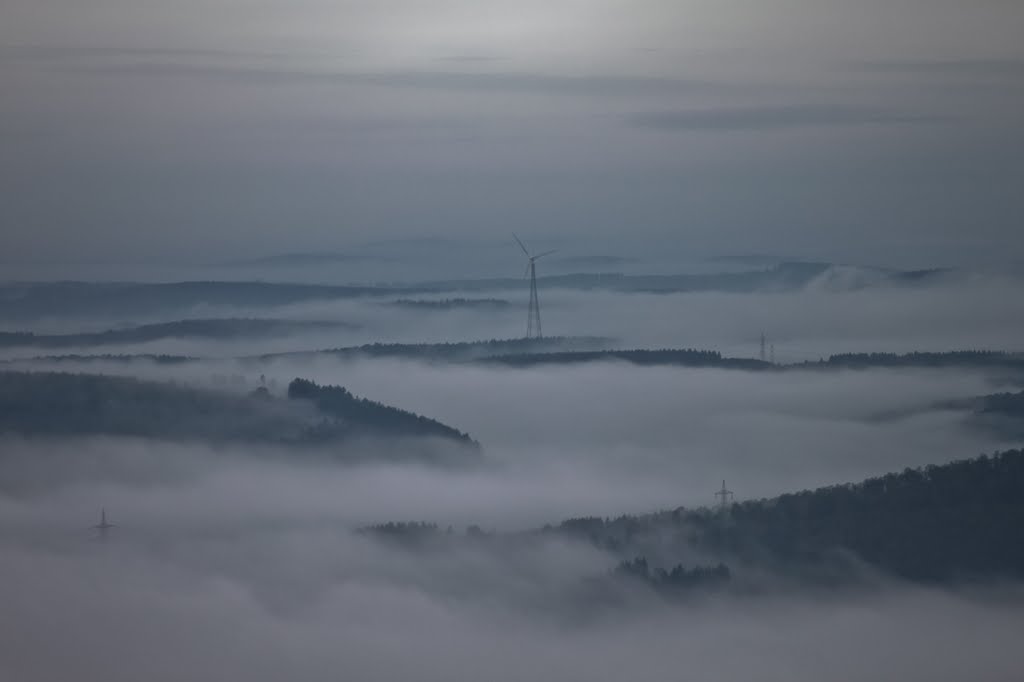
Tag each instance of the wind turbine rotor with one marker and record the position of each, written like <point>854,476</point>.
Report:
<point>521,246</point>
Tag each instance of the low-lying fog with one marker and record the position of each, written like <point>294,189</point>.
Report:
<point>973,313</point>
<point>186,587</point>
<point>600,438</point>
<point>237,562</point>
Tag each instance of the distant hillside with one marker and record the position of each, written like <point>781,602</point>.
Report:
<point>946,523</point>
<point>365,414</point>
<point>452,304</point>
<point>457,351</point>
<point>60,404</point>
<point>677,357</point>
<point>703,358</point>
<point>1003,404</point>
<point>940,525</point>
<point>462,351</point>
<point>963,358</point>
<point>27,301</point>
<point>213,328</point>
<point>161,359</point>
<point>76,300</point>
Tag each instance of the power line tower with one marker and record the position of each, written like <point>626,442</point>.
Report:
<point>764,341</point>
<point>533,328</point>
<point>724,497</point>
<point>103,527</point>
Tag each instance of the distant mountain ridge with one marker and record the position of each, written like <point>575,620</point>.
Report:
<point>205,328</point>
<point>82,299</point>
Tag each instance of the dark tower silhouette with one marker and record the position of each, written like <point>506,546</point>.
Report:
<point>533,328</point>
<point>103,527</point>
<point>724,496</point>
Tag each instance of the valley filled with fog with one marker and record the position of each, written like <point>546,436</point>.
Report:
<point>491,341</point>
<point>457,511</point>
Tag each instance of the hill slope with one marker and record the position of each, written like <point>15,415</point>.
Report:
<point>60,404</point>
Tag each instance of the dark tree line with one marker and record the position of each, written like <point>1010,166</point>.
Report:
<point>161,359</point>
<point>939,524</point>
<point>56,403</point>
<point>458,351</point>
<point>1003,404</point>
<point>339,403</point>
<point>674,579</point>
<point>680,357</point>
<point>63,404</point>
<point>960,358</point>
<point>214,328</point>
<point>452,303</point>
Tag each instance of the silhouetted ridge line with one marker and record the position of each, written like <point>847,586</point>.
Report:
<point>341,404</point>
<point>64,404</point>
<point>681,357</point>
<point>210,328</point>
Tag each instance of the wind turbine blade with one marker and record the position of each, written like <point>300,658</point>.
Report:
<point>546,253</point>
<point>520,245</point>
<point>527,273</point>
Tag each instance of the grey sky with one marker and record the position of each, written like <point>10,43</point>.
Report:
<point>884,132</point>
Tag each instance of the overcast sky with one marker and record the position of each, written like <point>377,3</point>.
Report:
<point>875,131</point>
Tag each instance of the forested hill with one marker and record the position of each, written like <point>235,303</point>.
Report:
<point>212,328</point>
<point>962,358</point>
<point>679,357</point>
<point>937,524</point>
<point>452,304</point>
<point>339,403</point>
<point>61,404</point>
<point>129,299</point>
<point>456,351</point>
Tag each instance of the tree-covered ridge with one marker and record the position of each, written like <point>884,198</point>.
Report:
<point>160,359</point>
<point>674,579</point>
<point>678,357</point>
<point>959,358</point>
<point>933,524</point>
<point>940,524</point>
<point>52,403</point>
<point>339,403</point>
<point>1003,404</point>
<point>457,351</point>
<point>209,328</point>
<point>63,404</point>
<point>452,304</point>
<point>687,357</point>
<point>118,299</point>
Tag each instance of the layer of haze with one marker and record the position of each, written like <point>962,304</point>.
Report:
<point>827,317</point>
<point>884,131</point>
<point>169,141</point>
<point>269,603</point>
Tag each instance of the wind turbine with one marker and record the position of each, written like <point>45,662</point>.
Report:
<point>533,329</point>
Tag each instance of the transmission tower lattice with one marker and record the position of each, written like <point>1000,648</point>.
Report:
<point>724,496</point>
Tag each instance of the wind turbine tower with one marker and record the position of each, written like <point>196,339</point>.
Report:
<point>533,328</point>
